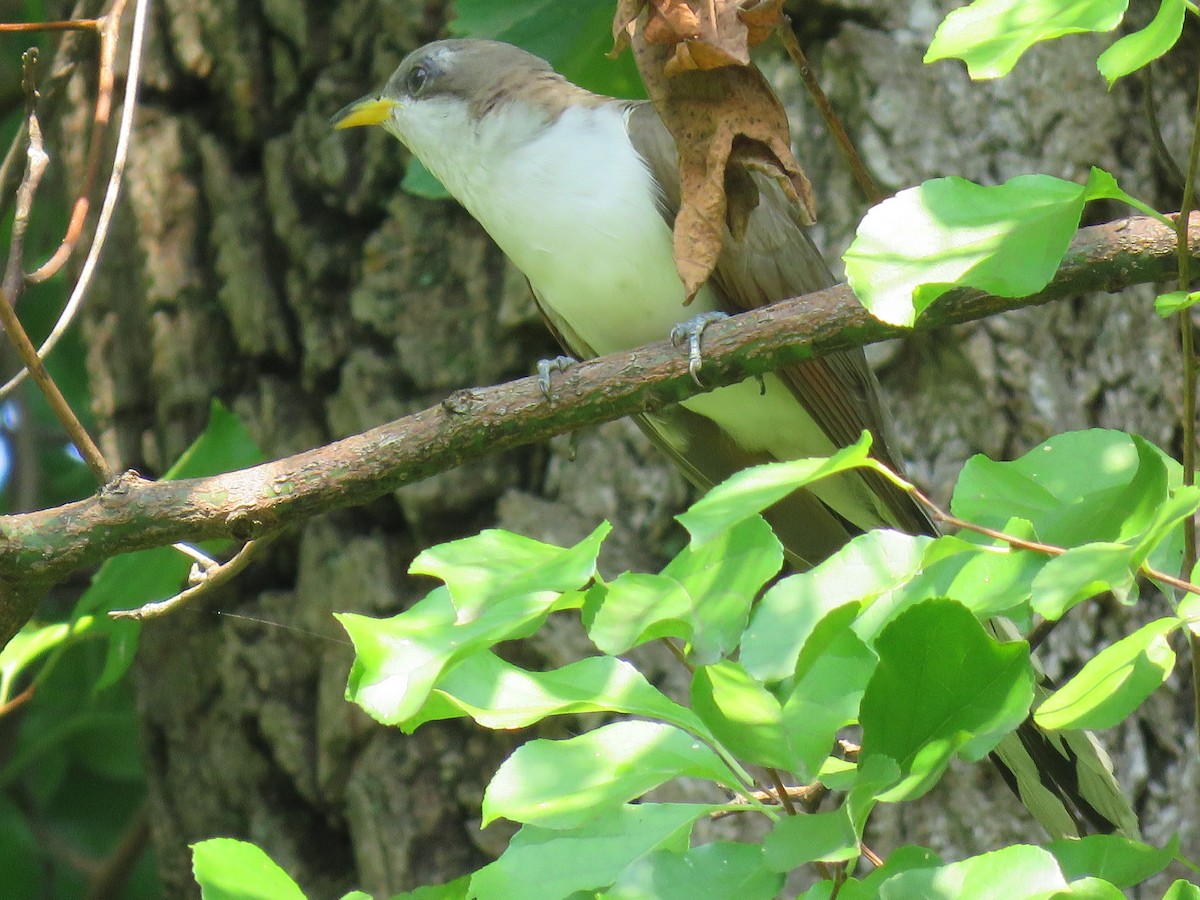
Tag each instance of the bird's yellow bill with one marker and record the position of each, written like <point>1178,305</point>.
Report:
<point>367,111</point>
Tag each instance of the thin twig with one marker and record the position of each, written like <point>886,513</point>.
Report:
<point>110,32</point>
<point>858,168</point>
<point>1161,151</point>
<point>205,581</point>
<point>781,792</point>
<point>58,403</point>
<point>112,193</point>
<point>1188,346</point>
<point>1012,540</point>
<point>16,702</point>
<point>110,878</point>
<point>36,160</point>
<point>66,25</point>
<point>91,454</point>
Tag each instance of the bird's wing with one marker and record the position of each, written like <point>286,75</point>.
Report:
<point>772,260</point>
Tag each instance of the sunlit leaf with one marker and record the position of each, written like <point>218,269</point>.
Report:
<point>1114,682</point>
<point>744,716</point>
<point>563,784</point>
<point>1007,240</point>
<point>991,35</point>
<point>227,869</point>
<point>1136,50</point>
<point>498,694</point>
<point>1018,872</point>
<point>750,491</point>
<point>496,564</point>
<point>1082,573</point>
<point>868,566</point>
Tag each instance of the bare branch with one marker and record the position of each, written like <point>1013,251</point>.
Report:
<point>204,578</point>
<point>39,548</point>
<point>111,195</point>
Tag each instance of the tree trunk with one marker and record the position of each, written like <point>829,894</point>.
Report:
<point>262,259</point>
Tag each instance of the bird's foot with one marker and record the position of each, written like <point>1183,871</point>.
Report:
<point>693,329</point>
<point>546,366</point>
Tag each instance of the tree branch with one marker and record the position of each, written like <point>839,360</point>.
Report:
<point>39,548</point>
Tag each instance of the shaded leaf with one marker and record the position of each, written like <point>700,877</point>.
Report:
<point>941,684</point>
<point>714,871</point>
<point>868,566</point>
<point>1119,860</point>
<point>796,840</point>
<point>587,858</point>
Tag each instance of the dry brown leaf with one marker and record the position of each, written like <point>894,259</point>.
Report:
<point>726,123</point>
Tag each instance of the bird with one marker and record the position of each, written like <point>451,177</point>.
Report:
<point>580,191</point>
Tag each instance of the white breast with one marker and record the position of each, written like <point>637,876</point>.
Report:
<point>573,205</point>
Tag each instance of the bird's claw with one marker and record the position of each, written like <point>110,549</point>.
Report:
<point>546,366</point>
<point>693,330</point>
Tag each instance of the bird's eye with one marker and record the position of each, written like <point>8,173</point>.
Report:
<point>417,78</point>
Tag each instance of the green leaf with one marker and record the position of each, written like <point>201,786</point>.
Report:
<point>1013,873</point>
<point>1136,50</point>
<point>703,596</point>
<point>1176,301</point>
<point>420,182</point>
<point>451,890</point>
<point>574,35</point>
<point>1114,682</point>
<point>750,491</point>
<point>1080,574</point>
<point>227,869</point>
<point>495,565</point>
<point>796,840</point>
<point>563,784</point>
<point>1007,240</point>
<point>1116,859</point>
<point>1182,890</point>
<point>398,661</point>
<point>743,715</point>
<point>987,579</point>
<point>1076,488</point>
<point>714,871</point>
<point>1088,889</point>
<point>991,35</point>
<point>832,673</point>
<point>941,684</point>
<point>30,644</point>
<point>868,566</point>
<point>587,858</point>
<point>902,859</point>
<point>497,694</point>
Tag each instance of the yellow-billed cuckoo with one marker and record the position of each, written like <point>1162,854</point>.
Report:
<point>580,191</point>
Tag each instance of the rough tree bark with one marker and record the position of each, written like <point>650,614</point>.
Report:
<point>264,260</point>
